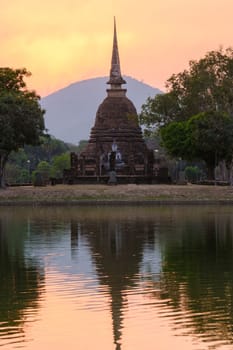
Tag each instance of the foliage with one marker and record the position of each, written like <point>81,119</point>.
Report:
<point>12,173</point>
<point>49,148</point>
<point>205,86</point>
<point>207,136</point>
<point>82,145</point>
<point>158,111</point>
<point>192,173</point>
<point>60,163</point>
<point>195,116</point>
<point>77,148</point>
<point>18,158</point>
<point>212,137</point>
<point>26,160</point>
<point>21,117</point>
<point>176,139</point>
<point>45,171</point>
<point>41,174</point>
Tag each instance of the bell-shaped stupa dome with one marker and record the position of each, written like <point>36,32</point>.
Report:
<point>116,120</point>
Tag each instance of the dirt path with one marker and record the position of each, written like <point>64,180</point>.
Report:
<point>129,193</point>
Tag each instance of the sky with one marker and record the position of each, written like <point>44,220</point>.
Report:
<point>64,41</point>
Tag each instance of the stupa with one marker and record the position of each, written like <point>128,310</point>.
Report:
<point>116,147</point>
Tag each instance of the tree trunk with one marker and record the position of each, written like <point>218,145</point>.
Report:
<point>211,172</point>
<point>3,160</point>
<point>229,172</point>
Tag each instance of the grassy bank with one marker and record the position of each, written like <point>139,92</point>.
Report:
<point>77,194</point>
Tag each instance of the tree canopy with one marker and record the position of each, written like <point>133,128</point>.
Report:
<point>207,136</point>
<point>195,116</point>
<point>21,117</point>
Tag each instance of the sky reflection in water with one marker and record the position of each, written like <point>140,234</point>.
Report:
<point>116,278</point>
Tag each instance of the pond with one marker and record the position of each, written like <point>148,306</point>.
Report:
<point>116,278</point>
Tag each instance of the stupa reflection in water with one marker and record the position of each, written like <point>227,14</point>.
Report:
<point>117,253</point>
<point>192,290</point>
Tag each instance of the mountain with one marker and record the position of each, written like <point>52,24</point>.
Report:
<point>70,112</point>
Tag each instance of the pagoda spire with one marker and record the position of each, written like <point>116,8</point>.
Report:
<point>115,79</point>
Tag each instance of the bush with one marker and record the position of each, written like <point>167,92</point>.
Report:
<point>40,177</point>
<point>192,173</point>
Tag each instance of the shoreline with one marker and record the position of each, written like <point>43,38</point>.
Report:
<point>113,203</point>
<point>131,194</point>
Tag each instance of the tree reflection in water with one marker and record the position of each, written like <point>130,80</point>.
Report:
<point>197,273</point>
<point>193,275</point>
<point>21,279</point>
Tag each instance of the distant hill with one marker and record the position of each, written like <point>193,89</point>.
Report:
<point>70,112</point>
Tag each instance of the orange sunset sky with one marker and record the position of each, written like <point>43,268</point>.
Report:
<point>65,41</point>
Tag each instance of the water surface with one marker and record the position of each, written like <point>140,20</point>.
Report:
<point>116,278</point>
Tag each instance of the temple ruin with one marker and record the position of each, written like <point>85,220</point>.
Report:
<point>116,151</point>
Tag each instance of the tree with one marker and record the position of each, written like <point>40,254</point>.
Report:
<point>206,86</point>
<point>78,148</point>
<point>60,163</point>
<point>26,159</point>
<point>157,111</point>
<point>176,139</point>
<point>211,136</point>
<point>196,113</point>
<point>207,136</point>
<point>42,174</point>
<point>48,148</point>
<point>12,173</point>
<point>192,173</point>
<point>21,117</point>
